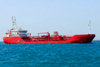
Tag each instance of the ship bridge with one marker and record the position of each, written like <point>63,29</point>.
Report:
<point>22,33</point>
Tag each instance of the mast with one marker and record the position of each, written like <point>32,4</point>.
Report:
<point>89,26</point>
<point>14,22</point>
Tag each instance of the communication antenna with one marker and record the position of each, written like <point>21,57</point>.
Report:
<point>14,22</point>
<point>89,26</point>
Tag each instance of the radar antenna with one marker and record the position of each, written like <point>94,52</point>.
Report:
<point>14,22</point>
<point>89,26</point>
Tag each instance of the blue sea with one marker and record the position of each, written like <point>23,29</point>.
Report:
<point>50,55</point>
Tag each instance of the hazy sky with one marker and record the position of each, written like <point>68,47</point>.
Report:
<point>68,17</point>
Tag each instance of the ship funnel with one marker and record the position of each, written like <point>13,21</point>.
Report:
<point>14,22</point>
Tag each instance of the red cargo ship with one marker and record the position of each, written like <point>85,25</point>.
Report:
<point>19,36</point>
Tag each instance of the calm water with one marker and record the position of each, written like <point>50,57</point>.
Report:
<point>50,55</point>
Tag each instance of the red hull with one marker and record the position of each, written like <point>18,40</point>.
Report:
<point>86,38</point>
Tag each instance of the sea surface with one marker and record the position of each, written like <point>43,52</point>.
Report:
<point>50,55</point>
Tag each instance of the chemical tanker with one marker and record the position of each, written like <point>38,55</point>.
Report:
<point>20,36</point>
